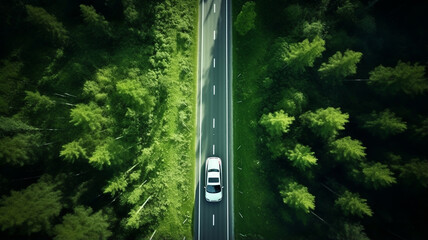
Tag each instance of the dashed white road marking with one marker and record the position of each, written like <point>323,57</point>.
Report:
<point>213,149</point>
<point>214,34</point>
<point>214,62</point>
<point>214,90</point>
<point>213,219</point>
<point>213,122</point>
<point>214,7</point>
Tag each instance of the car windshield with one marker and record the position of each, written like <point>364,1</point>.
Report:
<point>213,170</point>
<point>213,188</point>
<point>213,180</point>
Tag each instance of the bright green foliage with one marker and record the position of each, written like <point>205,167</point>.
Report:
<point>313,29</point>
<point>325,122</point>
<point>385,124</point>
<point>351,232</point>
<point>48,22</point>
<point>17,150</point>
<point>32,209</point>
<point>245,20</point>
<point>277,123</point>
<point>303,54</point>
<point>292,101</point>
<point>95,20</point>
<point>89,116</point>
<point>14,125</point>
<point>73,151</point>
<point>404,77</point>
<point>135,95</point>
<point>297,197</point>
<point>102,155</point>
<point>340,66</point>
<point>83,224</point>
<point>38,102</point>
<point>378,175</point>
<point>415,171</point>
<point>117,184</point>
<point>301,157</point>
<point>347,149</point>
<point>352,204</point>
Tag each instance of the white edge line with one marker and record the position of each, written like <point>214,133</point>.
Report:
<point>200,123</point>
<point>227,129</point>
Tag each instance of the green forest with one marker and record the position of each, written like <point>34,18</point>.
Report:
<point>330,119</point>
<point>97,109</point>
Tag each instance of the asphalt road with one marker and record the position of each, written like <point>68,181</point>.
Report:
<point>214,220</point>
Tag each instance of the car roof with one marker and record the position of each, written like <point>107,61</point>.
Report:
<point>212,163</point>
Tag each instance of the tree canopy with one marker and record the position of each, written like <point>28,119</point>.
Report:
<point>297,196</point>
<point>352,204</point>
<point>340,65</point>
<point>404,77</point>
<point>325,123</point>
<point>298,56</point>
<point>347,149</point>
<point>384,124</point>
<point>301,157</point>
<point>245,21</point>
<point>378,175</point>
<point>277,123</point>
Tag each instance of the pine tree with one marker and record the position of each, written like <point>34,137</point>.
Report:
<point>292,101</point>
<point>277,123</point>
<point>48,22</point>
<point>297,196</point>
<point>32,209</point>
<point>378,175</point>
<point>351,232</point>
<point>301,157</point>
<point>303,54</point>
<point>83,224</point>
<point>340,66</point>
<point>325,122</point>
<point>18,150</point>
<point>404,77</point>
<point>38,102</point>
<point>415,171</point>
<point>245,21</point>
<point>347,149</point>
<point>352,204</point>
<point>89,116</point>
<point>384,124</point>
<point>73,151</point>
<point>99,25</point>
<point>136,96</point>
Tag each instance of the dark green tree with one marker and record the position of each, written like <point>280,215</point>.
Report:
<point>405,77</point>
<point>38,102</point>
<point>377,175</point>
<point>38,16</point>
<point>96,21</point>
<point>325,122</point>
<point>340,66</point>
<point>301,157</point>
<point>136,95</point>
<point>32,209</point>
<point>297,197</point>
<point>89,116</point>
<point>414,171</point>
<point>277,123</point>
<point>313,29</point>
<point>83,224</point>
<point>292,101</point>
<point>352,204</point>
<point>351,231</point>
<point>18,150</point>
<point>245,21</point>
<point>347,149</point>
<point>384,124</point>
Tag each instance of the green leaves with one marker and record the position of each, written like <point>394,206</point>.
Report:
<point>384,124</point>
<point>325,122</point>
<point>18,150</point>
<point>301,157</point>
<point>352,204</point>
<point>88,116</point>
<point>245,20</point>
<point>340,66</point>
<point>32,209</point>
<point>38,102</point>
<point>404,77</point>
<point>297,196</point>
<point>73,151</point>
<point>378,175</point>
<point>277,123</point>
<point>83,224</point>
<point>135,95</point>
<point>292,101</point>
<point>96,21</point>
<point>347,149</point>
<point>303,54</point>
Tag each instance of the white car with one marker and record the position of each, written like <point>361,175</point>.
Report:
<point>213,183</point>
